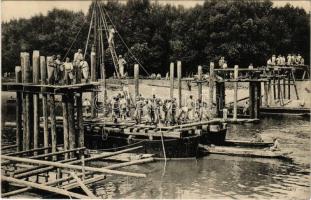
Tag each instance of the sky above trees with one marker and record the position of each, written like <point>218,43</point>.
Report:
<point>12,9</point>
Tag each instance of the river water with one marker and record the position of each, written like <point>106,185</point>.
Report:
<point>219,176</point>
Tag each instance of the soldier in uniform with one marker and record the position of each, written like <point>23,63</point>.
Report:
<point>124,108</point>
<point>138,110</point>
<point>173,111</point>
<point>273,60</point>
<point>51,70</point>
<point>289,59</point>
<point>121,63</point>
<point>84,67</point>
<point>78,56</point>
<point>115,109</point>
<point>59,68</point>
<point>68,67</point>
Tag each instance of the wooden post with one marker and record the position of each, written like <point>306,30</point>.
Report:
<point>65,124</point>
<point>105,86</point>
<point>284,87</point>
<point>279,87</point>
<point>251,100</point>
<point>266,94</point>
<point>200,77</point>
<point>179,72</point>
<point>256,99</point>
<point>274,88</point>
<point>218,99</point>
<point>171,80</point>
<point>93,78</point>
<point>71,124</point>
<point>19,110</point>
<point>211,88</point>
<point>288,89</point>
<point>28,102</point>
<point>136,80</point>
<point>53,123</point>
<point>43,70</point>
<point>36,113</point>
<point>80,115</point>
<point>235,95</point>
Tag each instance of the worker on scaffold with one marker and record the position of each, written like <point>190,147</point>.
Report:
<point>111,33</point>
<point>68,67</point>
<point>84,67</point>
<point>78,56</point>
<point>138,110</point>
<point>121,63</point>
<point>115,109</point>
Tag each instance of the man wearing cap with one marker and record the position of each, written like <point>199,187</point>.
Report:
<point>121,63</point>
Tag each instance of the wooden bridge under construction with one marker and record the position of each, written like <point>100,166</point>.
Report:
<point>42,161</point>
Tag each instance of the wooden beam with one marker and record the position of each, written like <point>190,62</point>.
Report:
<point>65,124</point>
<point>172,80</point>
<point>19,110</point>
<point>211,88</point>
<point>200,77</point>
<point>179,74</point>
<point>93,78</point>
<point>136,80</point>
<point>235,94</point>
<point>71,123</point>
<point>69,166</point>
<point>36,113</point>
<point>44,187</point>
<point>84,188</point>
<point>43,71</point>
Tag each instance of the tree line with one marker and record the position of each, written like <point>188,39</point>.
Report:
<point>243,31</point>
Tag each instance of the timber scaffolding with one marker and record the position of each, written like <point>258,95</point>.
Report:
<point>37,156</point>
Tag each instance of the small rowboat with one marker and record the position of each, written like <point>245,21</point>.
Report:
<point>247,152</point>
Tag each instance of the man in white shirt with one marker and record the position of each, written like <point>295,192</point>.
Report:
<point>68,67</point>
<point>121,63</point>
<point>84,66</point>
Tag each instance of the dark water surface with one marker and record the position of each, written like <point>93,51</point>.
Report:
<point>218,176</point>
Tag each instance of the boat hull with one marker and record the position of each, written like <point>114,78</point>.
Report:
<point>215,134</point>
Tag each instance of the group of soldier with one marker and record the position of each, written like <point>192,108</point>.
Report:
<point>60,72</point>
<point>155,110</point>
<point>291,59</point>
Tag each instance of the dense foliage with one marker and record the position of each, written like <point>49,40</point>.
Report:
<point>244,31</point>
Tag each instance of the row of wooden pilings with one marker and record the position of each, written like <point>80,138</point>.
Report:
<point>219,86</point>
<point>28,111</point>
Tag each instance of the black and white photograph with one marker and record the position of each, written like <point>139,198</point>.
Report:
<point>155,99</point>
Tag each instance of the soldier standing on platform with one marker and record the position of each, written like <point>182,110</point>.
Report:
<point>68,76</point>
<point>121,63</point>
<point>115,109</point>
<point>78,56</point>
<point>123,106</point>
<point>59,68</point>
<point>84,67</point>
<point>52,70</point>
<point>138,110</point>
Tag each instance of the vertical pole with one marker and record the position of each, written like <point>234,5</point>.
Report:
<point>36,113</point>
<point>279,86</point>
<point>222,96</point>
<point>53,123</point>
<point>235,95</point>
<point>284,87</point>
<point>105,85</point>
<point>179,82</point>
<point>171,80</point>
<point>71,124</point>
<point>19,110</point>
<point>80,115</point>
<point>200,77</point>
<point>265,85</point>
<point>28,103</point>
<point>251,100</point>
<point>211,89</point>
<point>65,124</point>
<point>136,80</point>
<point>43,71</point>
<point>274,88</point>
<point>218,98</point>
<point>256,99</point>
<point>93,78</point>
<point>288,92</point>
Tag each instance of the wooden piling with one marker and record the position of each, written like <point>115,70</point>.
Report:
<point>93,78</point>
<point>43,71</point>
<point>279,86</point>
<point>36,116</point>
<point>136,80</point>
<point>251,100</point>
<point>288,86</point>
<point>274,87</point>
<point>211,88</point>
<point>71,124</point>
<point>284,87</point>
<point>65,124</point>
<point>200,77</point>
<point>28,102</point>
<point>53,123</point>
<point>19,110</point>
<point>235,95</point>
<point>171,80</point>
<point>80,114</point>
<point>266,94</point>
<point>105,86</point>
<point>256,99</point>
<point>179,72</point>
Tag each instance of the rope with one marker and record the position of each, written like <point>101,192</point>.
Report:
<point>124,42</point>
<point>74,39</point>
<point>88,35</point>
